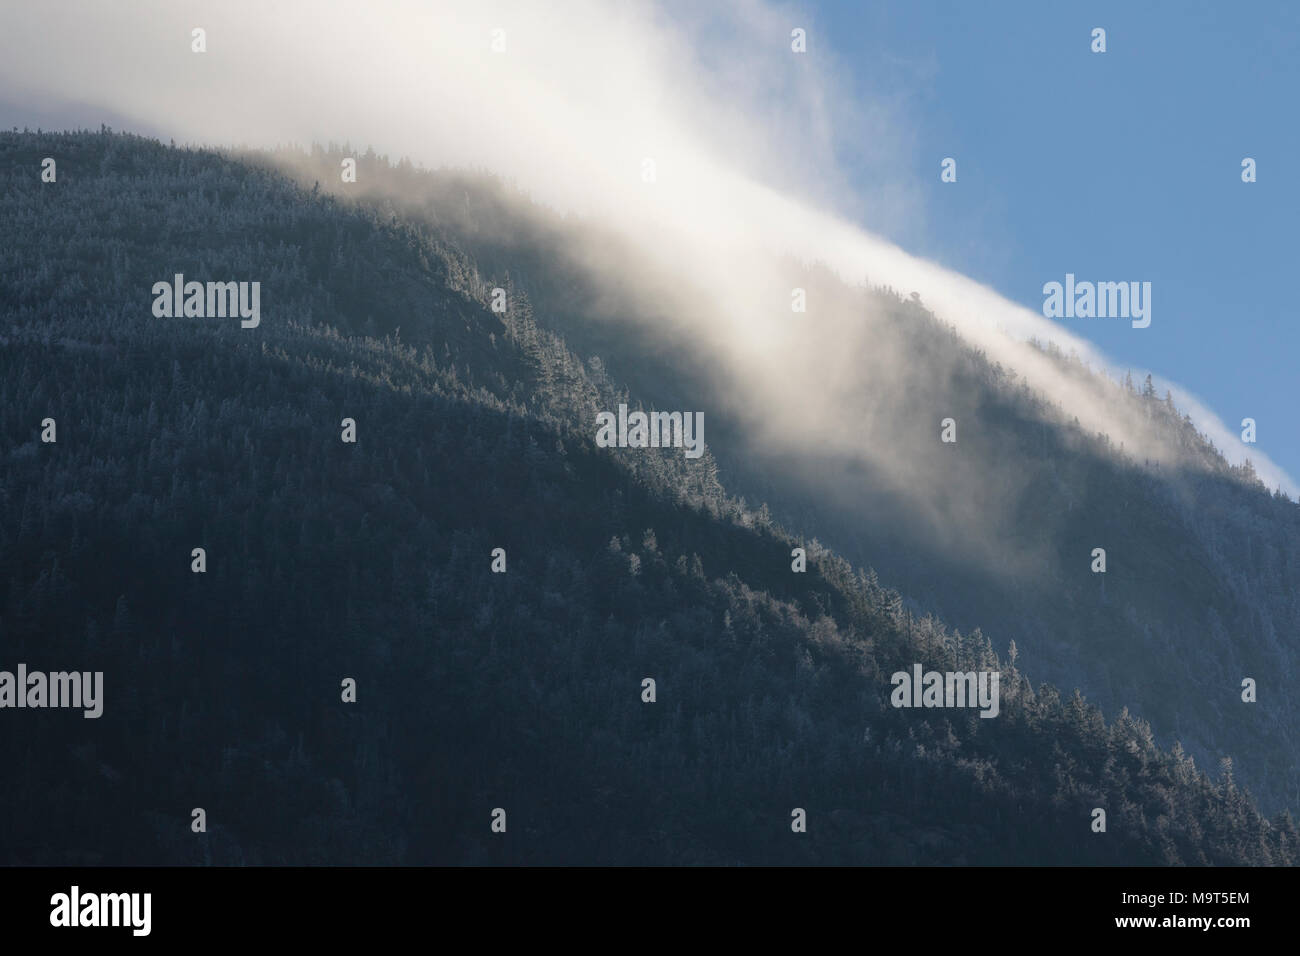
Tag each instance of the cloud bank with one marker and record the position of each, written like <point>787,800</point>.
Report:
<point>577,104</point>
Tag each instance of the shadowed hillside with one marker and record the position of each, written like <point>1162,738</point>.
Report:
<point>996,531</point>
<point>476,690</point>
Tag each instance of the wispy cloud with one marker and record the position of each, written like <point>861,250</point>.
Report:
<point>743,135</point>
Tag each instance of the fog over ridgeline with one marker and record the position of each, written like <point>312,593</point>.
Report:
<point>741,135</point>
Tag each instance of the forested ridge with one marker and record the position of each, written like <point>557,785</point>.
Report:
<point>371,560</point>
<point>1203,584</point>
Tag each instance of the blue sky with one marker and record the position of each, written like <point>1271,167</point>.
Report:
<point>1117,166</point>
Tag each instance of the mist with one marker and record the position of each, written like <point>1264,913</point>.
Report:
<point>701,145</point>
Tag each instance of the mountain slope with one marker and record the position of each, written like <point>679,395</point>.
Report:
<point>372,561</point>
<point>996,531</point>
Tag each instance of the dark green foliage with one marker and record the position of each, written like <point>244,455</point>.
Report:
<point>475,690</point>
<point>1204,561</point>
